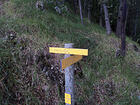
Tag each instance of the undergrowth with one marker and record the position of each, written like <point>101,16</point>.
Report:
<point>107,79</point>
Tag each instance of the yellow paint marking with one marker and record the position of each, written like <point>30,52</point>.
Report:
<point>68,51</point>
<point>70,60</point>
<point>67,98</point>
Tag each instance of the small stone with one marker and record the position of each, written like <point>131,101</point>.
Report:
<point>52,67</point>
<point>44,69</point>
<point>57,9</point>
<point>45,87</point>
<point>39,5</point>
<point>46,73</point>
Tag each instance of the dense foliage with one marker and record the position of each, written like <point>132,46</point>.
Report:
<point>92,10</point>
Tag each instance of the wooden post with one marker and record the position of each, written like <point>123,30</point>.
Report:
<point>69,80</point>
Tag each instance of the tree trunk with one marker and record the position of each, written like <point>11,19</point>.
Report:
<point>135,28</point>
<point>75,6</point>
<point>123,20</point>
<point>126,19</point>
<point>136,21</point>
<point>108,27</point>
<point>118,28</point>
<point>80,7</point>
<point>89,11</point>
<point>101,12</point>
<point>85,9</point>
<point>89,15</point>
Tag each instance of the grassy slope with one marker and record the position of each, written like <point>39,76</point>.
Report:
<point>100,68</point>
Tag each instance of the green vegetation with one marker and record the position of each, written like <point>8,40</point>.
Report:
<point>107,79</point>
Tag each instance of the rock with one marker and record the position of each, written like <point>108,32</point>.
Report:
<point>135,48</point>
<point>57,9</point>
<point>11,35</point>
<point>118,53</point>
<point>44,69</point>
<point>39,5</point>
<point>45,87</point>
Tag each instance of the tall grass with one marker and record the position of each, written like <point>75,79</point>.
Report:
<point>101,69</point>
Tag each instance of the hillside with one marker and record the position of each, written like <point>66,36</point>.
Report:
<point>101,78</point>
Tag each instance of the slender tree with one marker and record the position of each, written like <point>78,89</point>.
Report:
<point>123,20</point>
<point>136,18</point>
<point>85,7</point>
<point>101,16</point>
<point>107,21</point>
<point>75,6</point>
<point>89,10</point>
<point>127,12</point>
<point>80,8</point>
<point>118,27</point>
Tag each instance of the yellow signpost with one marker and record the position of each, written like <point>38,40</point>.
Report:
<point>65,64</point>
<point>67,98</point>
<point>68,51</point>
<point>70,60</point>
